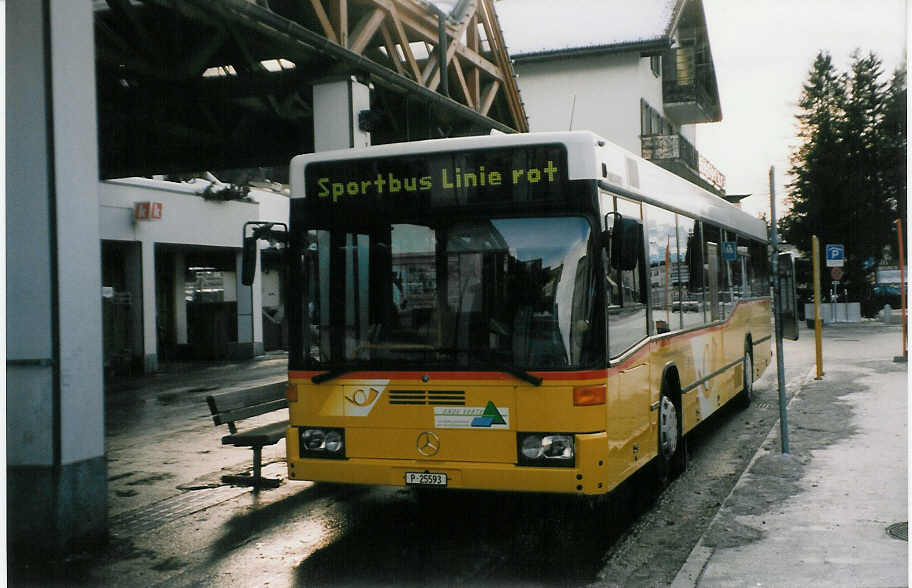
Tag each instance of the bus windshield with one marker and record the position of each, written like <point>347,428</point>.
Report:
<point>456,294</point>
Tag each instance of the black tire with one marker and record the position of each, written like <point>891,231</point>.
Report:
<point>671,460</point>
<point>746,396</point>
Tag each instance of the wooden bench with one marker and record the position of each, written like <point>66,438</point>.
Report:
<point>229,407</point>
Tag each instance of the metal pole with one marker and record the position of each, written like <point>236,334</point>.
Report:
<point>777,306</point>
<point>442,52</point>
<point>815,247</point>
<point>902,285</point>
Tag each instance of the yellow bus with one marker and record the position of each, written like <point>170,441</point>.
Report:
<point>534,312</point>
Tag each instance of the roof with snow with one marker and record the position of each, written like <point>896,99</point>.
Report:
<point>545,27</point>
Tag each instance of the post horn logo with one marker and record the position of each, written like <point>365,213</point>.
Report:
<point>362,397</point>
<point>428,444</point>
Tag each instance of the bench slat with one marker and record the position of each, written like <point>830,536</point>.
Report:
<point>245,397</point>
<point>228,407</point>
<point>265,435</point>
<point>229,416</point>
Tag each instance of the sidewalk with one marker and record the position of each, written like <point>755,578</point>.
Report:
<point>820,515</point>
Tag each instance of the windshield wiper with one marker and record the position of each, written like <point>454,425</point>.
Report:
<point>519,373</point>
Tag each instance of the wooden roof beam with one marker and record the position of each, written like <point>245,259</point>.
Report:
<point>324,21</point>
<point>404,44</point>
<point>365,30</point>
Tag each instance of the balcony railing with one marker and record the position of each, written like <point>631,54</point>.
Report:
<point>678,155</point>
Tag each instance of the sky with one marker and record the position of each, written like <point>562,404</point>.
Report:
<point>763,51</point>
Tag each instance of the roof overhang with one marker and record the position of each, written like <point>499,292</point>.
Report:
<point>646,47</point>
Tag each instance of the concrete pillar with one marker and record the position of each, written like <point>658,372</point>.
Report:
<point>249,312</point>
<point>150,324</point>
<point>56,472</point>
<point>336,106</point>
<point>180,304</point>
<point>133,279</point>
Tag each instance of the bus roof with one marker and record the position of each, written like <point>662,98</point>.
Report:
<point>589,157</point>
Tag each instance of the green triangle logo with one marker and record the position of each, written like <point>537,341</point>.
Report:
<point>492,413</point>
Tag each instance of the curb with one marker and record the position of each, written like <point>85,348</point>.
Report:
<point>689,574</point>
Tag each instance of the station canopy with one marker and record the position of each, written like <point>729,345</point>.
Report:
<point>190,85</point>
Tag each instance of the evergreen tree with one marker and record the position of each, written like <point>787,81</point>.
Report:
<point>892,135</point>
<point>849,170</point>
<point>822,106</point>
<point>867,223</point>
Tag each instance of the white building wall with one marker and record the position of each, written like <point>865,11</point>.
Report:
<point>271,285</point>
<point>607,91</point>
<point>186,217</point>
<point>689,132</point>
<point>650,87</point>
<point>190,220</point>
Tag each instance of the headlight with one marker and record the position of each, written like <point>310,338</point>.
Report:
<point>546,449</point>
<point>557,447</point>
<point>532,447</point>
<point>322,442</point>
<point>333,441</point>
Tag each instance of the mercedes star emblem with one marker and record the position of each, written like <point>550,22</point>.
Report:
<point>428,444</point>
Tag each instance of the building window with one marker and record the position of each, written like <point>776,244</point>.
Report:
<point>655,63</point>
<point>653,123</point>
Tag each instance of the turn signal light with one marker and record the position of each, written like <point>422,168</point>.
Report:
<point>291,392</point>
<point>588,395</point>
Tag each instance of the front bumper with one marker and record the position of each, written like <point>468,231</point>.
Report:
<point>594,472</point>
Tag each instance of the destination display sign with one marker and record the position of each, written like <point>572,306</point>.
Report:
<point>439,180</point>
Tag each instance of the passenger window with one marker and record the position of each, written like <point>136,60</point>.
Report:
<point>715,273</point>
<point>691,278</point>
<point>627,323</point>
<point>740,285</point>
<point>664,269</point>
<point>759,262</point>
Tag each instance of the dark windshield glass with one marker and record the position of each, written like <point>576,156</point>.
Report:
<point>514,292</point>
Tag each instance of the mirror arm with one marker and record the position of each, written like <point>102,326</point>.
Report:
<point>261,230</point>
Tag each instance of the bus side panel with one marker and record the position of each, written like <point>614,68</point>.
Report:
<point>718,350</point>
<point>733,344</point>
<point>631,432</point>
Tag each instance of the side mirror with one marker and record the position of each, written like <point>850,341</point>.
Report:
<point>249,261</point>
<point>625,240</point>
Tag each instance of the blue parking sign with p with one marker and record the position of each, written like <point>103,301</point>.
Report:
<point>729,251</point>
<point>835,255</point>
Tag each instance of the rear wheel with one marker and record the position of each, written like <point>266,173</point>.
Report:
<point>747,391</point>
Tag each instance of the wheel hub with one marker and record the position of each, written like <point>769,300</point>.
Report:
<point>668,428</point>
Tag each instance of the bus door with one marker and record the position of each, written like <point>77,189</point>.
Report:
<point>788,300</point>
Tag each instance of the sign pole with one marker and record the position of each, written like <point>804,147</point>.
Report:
<point>777,306</point>
<point>902,285</point>
<point>815,247</point>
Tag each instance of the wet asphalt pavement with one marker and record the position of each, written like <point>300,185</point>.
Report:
<point>173,523</point>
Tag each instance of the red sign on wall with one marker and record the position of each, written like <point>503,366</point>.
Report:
<point>147,210</point>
